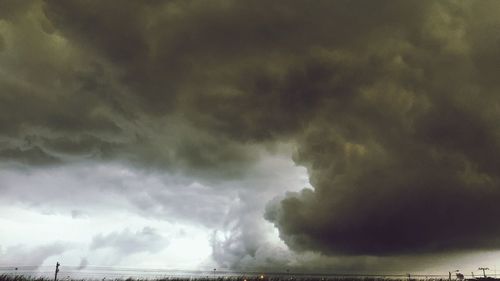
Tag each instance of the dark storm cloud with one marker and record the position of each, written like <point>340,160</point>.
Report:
<point>30,156</point>
<point>125,75</point>
<point>393,107</point>
<point>61,102</point>
<point>10,9</point>
<point>407,162</point>
<point>2,43</point>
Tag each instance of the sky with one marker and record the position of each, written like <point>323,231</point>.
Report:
<point>311,136</point>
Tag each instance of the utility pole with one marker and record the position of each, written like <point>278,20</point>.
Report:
<point>57,271</point>
<point>484,270</point>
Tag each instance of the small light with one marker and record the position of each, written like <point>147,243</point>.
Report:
<point>262,277</point>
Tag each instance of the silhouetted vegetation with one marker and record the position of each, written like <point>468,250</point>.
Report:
<point>8,277</point>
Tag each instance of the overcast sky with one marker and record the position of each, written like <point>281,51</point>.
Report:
<point>346,136</point>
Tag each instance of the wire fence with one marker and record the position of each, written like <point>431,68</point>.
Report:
<point>208,278</point>
<point>10,273</point>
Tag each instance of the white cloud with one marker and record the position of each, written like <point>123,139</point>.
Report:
<point>97,206</point>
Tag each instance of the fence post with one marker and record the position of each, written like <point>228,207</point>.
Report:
<point>57,271</point>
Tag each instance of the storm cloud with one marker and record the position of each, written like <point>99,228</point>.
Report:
<point>127,242</point>
<point>392,107</point>
<point>32,256</point>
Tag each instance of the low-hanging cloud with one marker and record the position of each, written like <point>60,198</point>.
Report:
<point>84,262</point>
<point>129,242</point>
<point>21,255</point>
<point>392,107</point>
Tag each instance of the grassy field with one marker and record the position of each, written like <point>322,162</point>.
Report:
<point>7,277</point>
